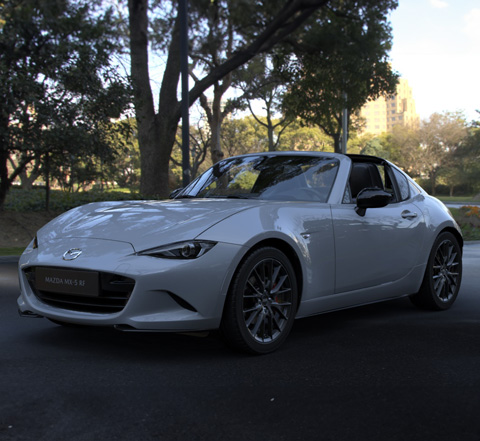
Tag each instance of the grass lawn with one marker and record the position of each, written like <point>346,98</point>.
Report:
<point>457,199</point>
<point>11,251</point>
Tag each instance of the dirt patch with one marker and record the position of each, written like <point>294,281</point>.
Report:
<point>17,229</point>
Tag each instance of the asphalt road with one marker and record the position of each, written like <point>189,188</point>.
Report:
<point>380,372</point>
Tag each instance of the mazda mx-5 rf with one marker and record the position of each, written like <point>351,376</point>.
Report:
<point>253,243</point>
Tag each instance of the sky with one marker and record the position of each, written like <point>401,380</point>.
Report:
<point>436,48</point>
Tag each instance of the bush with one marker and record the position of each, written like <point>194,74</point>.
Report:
<point>34,200</point>
<point>468,218</point>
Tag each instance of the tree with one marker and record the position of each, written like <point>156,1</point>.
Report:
<point>298,136</point>
<point>260,82</point>
<point>405,149</point>
<point>261,25</point>
<point>200,142</point>
<point>463,166</point>
<point>208,53</point>
<point>124,167</point>
<point>244,135</point>
<point>56,84</point>
<point>440,137</point>
<point>341,62</point>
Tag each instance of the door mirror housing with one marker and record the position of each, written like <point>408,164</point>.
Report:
<point>371,198</point>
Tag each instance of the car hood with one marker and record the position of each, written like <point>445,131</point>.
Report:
<point>144,224</point>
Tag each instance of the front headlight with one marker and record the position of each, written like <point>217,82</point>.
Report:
<point>181,250</point>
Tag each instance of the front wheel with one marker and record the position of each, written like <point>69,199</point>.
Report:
<point>261,305</point>
<point>443,275</point>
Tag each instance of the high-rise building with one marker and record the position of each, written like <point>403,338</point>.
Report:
<point>386,112</point>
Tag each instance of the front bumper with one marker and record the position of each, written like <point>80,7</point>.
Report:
<point>169,294</point>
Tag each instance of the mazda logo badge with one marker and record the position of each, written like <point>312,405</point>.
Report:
<point>72,254</point>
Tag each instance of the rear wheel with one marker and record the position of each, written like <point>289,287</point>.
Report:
<point>443,275</point>
<point>262,302</point>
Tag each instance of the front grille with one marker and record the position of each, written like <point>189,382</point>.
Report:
<point>114,292</point>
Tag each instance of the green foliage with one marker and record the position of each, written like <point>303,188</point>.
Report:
<point>245,135</point>
<point>11,251</point>
<point>34,200</point>
<point>301,137</point>
<point>341,62</point>
<point>443,154</point>
<point>261,80</point>
<point>468,218</point>
<point>122,165</point>
<point>441,138</point>
<point>57,86</point>
<point>467,160</point>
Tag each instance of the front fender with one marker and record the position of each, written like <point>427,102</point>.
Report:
<point>306,227</point>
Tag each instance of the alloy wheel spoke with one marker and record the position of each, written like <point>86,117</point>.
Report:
<point>267,301</point>
<point>253,316</point>
<point>259,276</point>
<point>279,309</point>
<point>269,319</point>
<point>445,271</point>
<point>279,284</point>
<point>259,322</point>
<point>452,259</point>
<point>254,288</point>
<point>275,273</point>
<point>274,320</point>
<point>255,308</point>
<point>438,286</point>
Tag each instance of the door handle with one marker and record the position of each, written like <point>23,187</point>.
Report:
<point>409,215</point>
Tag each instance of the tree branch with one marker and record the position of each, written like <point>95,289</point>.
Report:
<point>290,17</point>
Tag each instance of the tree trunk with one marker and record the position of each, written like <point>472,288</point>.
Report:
<point>433,182</point>
<point>4,181</point>
<point>156,133</point>
<point>155,149</point>
<point>270,131</point>
<point>336,143</point>
<point>215,122</point>
<point>28,178</point>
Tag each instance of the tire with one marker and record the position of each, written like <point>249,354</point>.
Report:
<point>443,275</point>
<point>261,304</point>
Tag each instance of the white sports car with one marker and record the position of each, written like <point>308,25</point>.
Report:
<point>253,243</point>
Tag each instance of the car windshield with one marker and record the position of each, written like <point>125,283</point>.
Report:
<point>279,177</point>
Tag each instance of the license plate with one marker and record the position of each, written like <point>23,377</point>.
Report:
<point>64,281</point>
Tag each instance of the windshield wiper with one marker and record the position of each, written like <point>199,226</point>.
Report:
<point>185,196</point>
<point>240,196</point>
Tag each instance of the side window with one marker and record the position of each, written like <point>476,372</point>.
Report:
<point>366,174</point>
<point>414,189</point>
<point>403,186</point>
<point>347,197</point>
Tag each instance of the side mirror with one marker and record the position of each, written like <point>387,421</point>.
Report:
<point>371,198</point>
<point>174,193</point>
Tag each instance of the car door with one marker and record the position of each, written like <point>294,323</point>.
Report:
<point>381,246</point>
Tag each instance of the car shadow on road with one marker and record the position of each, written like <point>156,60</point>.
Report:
<point>316,331</point>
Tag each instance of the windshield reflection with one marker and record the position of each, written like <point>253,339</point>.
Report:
<point>278,177</point>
